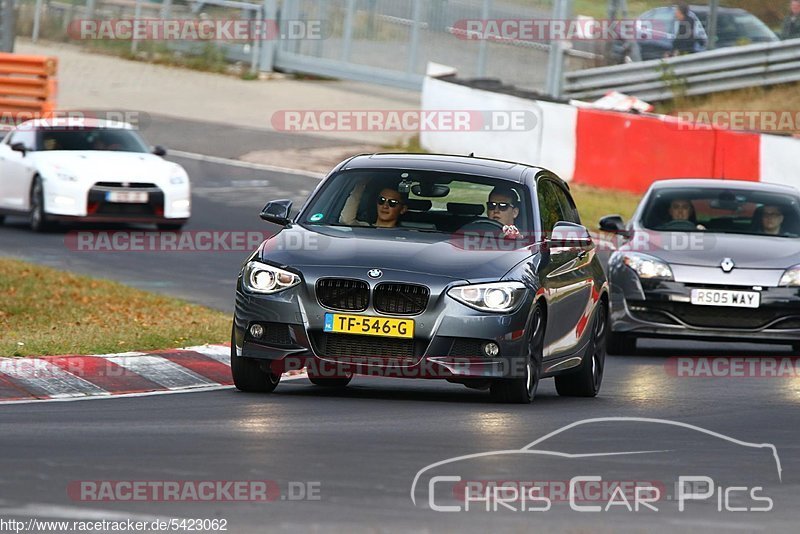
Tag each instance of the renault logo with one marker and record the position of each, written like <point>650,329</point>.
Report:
<point>727,265</point>
<point>375,273</point>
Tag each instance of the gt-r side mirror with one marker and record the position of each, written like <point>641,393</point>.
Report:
<point>612,223</point>
<point>159,150</point>
<point>569,235</point>
<point>20,147</point>
<point>277,211</point>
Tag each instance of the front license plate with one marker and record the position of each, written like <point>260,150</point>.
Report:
<point>368,326</point>
<point>721,297</point>
<point>127,197</point>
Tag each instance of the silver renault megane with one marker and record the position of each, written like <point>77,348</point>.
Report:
<point>419,266</point>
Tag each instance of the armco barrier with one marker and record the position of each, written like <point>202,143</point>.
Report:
<point>608,149</point>
<point>27,84</point>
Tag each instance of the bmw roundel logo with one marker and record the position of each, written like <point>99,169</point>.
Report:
<point>375,273</point>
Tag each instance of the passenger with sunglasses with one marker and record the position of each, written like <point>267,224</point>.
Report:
<point>390,203</point>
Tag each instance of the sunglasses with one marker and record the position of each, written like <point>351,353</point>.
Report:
<point>393,203</point>
<point>498,206</point>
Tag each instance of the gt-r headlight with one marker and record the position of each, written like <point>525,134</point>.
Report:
<point>647,267</point>
<point>262,278</point>
<point>791,278</point>
<point>178,179</point>
<point>66,175</point>
<point>498,297</point>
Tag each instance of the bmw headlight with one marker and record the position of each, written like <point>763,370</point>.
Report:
<point>262,278</point>
<point>498,297</point>
<point>791,278</point>
<point>647,267</point>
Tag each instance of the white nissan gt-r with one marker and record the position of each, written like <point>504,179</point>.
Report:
<point>60,170</point>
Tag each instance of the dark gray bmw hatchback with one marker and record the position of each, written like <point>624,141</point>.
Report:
<point>424,266</point>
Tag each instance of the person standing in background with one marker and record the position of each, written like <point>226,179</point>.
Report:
<point>791,25</point>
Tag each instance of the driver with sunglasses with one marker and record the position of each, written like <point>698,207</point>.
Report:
<point>503,207</point>
<point>390,202</point>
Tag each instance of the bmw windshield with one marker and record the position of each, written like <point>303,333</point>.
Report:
<point>420,201</point>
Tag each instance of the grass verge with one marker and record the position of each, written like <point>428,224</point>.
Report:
<point>48,312</point>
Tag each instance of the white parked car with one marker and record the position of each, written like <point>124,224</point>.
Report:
<point>61,170</point>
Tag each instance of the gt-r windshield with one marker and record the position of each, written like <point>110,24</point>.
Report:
<point>723,210</point>
<point>113,139</point>
<point>420,201</point>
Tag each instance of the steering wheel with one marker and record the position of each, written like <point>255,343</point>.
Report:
<point>482,224</point>
<point>679,225</point>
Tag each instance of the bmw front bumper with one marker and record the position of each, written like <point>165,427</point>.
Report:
<point>448,336</point>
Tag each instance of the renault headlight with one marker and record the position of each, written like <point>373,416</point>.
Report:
<point>498,297</point>
<point>791,278</point>
<point>262,278</point>
<point>647,267</point>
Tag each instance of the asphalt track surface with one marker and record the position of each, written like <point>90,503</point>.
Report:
<point>361,448</point>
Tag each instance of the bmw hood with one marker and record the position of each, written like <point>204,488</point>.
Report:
<point>709,249</point>
<point>107,166</point>
<point>437,255</point>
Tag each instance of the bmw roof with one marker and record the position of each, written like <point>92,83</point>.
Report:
<point>492,168</point>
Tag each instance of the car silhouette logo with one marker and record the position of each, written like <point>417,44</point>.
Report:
<point>727,265</point>
<point>375,273</point>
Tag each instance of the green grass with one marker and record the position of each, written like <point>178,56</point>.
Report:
<point>47,312</point>
<point>594,203</point>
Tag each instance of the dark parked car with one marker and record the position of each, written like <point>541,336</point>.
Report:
<point>708,260</point>
<point>734,27</point>
<point>471,270</point>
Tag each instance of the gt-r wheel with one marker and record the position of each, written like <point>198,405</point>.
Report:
<point>620,344</point>
<point>587,380</point>
<point>522,390</point>
<point>39,222</point>
<point>249,375</point>
<point>330,381</point>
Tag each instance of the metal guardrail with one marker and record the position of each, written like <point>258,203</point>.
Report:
<point>698,74</point>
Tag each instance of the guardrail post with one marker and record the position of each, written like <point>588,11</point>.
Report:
<point>91,7</point>
<point>483,47</point>
<point>713,17</point>
<point>414,47</point>
<point>7,25</point>
<point>562,10</point>
<point>37,20</point>
<point>347,38</point>
<point>269,12</point>
<point>137,14</point>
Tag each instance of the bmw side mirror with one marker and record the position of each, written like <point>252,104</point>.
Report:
<point>568,235</point>
<point>612,223</point>
<point>159,150</point>
<point>19,147</point>
<point>277,211</point>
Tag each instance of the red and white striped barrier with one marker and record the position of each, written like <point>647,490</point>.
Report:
<point>132,373</point>
<point>610,149</point>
